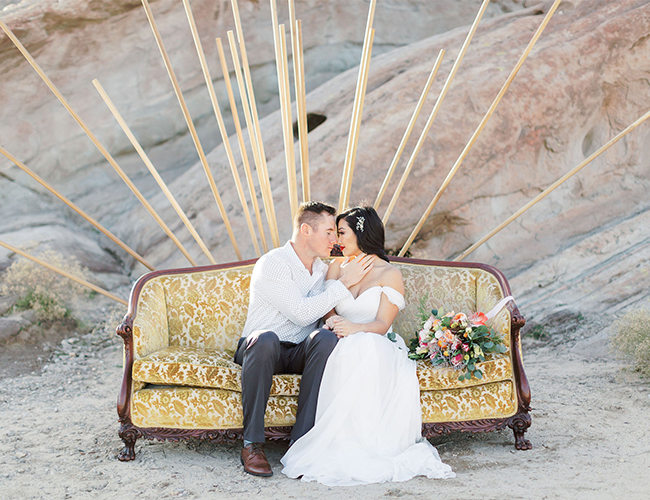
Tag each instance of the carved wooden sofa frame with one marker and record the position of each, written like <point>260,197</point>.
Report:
<point>502,397</point>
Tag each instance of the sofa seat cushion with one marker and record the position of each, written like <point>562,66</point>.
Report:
<point>494,400</point>
<point>200,367</point>
<point>432,378</point>
<point>203,408</point>
<point>206,408</point>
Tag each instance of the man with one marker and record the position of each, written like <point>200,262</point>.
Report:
<point>288,296</point>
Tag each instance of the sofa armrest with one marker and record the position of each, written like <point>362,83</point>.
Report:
<point>144,330</point>
<point>150,326</point>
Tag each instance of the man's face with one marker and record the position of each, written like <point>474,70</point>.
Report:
<point>323,237</point>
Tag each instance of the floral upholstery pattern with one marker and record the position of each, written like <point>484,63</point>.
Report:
<point>198,367</point>
<point>201,408</point>
<point>496,400</point>
<point>207,309</point>
<point>187,328</point>
<point>433,378</point>
<point>150,328</point>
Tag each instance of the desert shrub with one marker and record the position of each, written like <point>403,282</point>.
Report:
<point>631,339</point>
<point>47,293</point>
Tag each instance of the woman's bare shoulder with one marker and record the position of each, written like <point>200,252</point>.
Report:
<point>392,277</point>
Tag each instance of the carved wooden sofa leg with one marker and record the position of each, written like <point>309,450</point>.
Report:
<point>519,425</point>
<point>129,435</point>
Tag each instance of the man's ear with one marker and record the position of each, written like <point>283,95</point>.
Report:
<point>305,229</point>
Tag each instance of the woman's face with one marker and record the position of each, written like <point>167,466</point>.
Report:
<point>347,239</point>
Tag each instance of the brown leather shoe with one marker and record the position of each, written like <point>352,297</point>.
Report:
<point>254,460</point>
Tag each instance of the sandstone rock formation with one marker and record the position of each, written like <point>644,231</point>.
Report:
<point>584,82</point>
<point>76,41</point>
<point>584,247</point>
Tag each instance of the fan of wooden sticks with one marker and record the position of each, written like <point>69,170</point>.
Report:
<point>248,103</point>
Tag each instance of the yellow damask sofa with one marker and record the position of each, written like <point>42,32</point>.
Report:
<point>181,332</point>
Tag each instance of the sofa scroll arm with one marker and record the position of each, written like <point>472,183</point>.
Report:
<point>127,432</point>
<point>523,389</point>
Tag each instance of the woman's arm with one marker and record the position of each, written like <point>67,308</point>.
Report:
<point>333,272</point>
<point>385,315</point>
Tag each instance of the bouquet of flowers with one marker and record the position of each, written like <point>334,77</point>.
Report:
<point>456,340</point>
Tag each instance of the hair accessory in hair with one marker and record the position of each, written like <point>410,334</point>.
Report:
<point>360,221</point>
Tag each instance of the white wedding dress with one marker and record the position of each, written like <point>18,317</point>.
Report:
<point>368,419</point>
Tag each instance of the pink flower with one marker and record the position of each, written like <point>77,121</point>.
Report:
<point>478,318</point>
<point>457,359</point>
<point>465,347</point>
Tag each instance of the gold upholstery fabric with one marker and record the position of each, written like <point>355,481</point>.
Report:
<point>150,328</point>
<point>496,400</point>
<point>433,378</point>
<point>207,309</point>
<point>196,367</point>
<point>199,367</point>
<point>200,408</point>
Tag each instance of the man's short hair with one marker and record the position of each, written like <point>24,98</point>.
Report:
<point>310,213</point>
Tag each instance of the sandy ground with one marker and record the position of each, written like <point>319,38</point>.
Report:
<point>58,439</point>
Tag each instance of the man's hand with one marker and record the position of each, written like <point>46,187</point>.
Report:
<point>354,270</point>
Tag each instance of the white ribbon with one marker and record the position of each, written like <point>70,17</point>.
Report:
<point>495,310</point>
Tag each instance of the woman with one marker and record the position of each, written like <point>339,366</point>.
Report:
<point>368,420</point>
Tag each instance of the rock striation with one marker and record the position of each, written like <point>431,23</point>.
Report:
<point>584,248</point>
<point>76,41</point>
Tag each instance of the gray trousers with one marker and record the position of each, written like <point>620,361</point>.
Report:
<point>261,355</point>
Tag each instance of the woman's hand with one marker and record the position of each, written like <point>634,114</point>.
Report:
<point>341,326</point>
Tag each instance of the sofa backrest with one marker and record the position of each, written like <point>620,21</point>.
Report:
<point>208,308</point>
<point>459,289</point>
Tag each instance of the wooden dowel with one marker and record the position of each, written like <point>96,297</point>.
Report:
<point>301,112</point>
<point>557,183</point>
<point>265,187</point>
<point>222,126</point>
<point>357,130</point>
<point>301,104</point>
<point>352,140</point>
<point>479,129</point>
<point>152,170</point>
<point>242,145</point>
<point>279,67</point>
<point>96,142</point>
<point>275,236</point>
<point>81,281</point>
<point>357,111</point>
<point>190,126</point>
<point>409,129</point>
<point>434,112</point>
<point>74,207</point>
<point>287,122</point>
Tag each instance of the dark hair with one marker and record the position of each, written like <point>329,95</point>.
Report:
<point>310,212</point>
<point>368,228</point>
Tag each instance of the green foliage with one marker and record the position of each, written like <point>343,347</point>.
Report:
<point>423,311</point>
<point>631,339</point>
<point>538,332</point>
